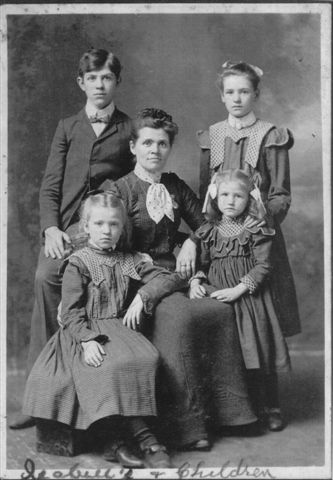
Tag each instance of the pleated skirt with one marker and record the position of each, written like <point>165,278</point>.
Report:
<point>62,387</point>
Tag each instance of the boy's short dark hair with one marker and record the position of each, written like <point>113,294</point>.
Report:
<point>94,59</point>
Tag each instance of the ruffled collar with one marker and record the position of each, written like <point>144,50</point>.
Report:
<point>242,122</point>
<point>94,259</point>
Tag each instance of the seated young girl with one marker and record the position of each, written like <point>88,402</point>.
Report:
<point>97,366</point>
<point>236,259</point>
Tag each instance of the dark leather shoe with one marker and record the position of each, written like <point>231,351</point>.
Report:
<point>274,420</point>
<point>121,454</point>
<point>155,456</point>
<point>202,445</point>
<point>22,421</point>
<point>254,429</point>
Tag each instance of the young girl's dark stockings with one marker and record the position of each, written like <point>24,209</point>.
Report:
<point>112,432</point>
<point>140,431</point>
<point>155,455</point>
<point>263,390</point>
<point>272,391</point>
<point>264,393</point>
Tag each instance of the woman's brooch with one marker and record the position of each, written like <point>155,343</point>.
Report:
<point>174,203</point>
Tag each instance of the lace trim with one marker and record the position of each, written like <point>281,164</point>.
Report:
<point>220,131</point>
<point>229,227</point>
<point>249,282</point>
<point>94,262</point>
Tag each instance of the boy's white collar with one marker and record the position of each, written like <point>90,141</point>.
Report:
<point>242,122</point>
<point>91,110</point>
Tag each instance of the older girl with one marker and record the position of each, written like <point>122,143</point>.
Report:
<point>202,371</point>
<point>261,149</point>
<point>97,366</point>
<point>238,268</point>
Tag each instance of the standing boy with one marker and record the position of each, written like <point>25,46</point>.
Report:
<point>87,149</point>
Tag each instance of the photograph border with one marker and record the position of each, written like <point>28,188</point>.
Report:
<point>325,12</point>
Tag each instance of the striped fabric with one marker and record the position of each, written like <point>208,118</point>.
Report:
<point>61,385</point>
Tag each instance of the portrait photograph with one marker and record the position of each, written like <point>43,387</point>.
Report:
<point>165,240</point>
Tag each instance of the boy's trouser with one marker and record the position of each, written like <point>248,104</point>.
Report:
<point>47,298</point>
<point>48,281</point>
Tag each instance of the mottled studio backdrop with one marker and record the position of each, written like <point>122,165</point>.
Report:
<point>170,61</point>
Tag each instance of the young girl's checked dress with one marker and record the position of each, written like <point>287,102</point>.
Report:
<point>237,259</point>
<point>236,254</point>
<point>98,287</point>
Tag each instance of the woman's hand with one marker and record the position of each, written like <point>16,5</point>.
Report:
<point>230,294</point>
<point>186,259</point>
<point>251,222</point>
<point>197,290</point>
<point>54,242</point>
<point>93,353</point>
<point>133,315</point>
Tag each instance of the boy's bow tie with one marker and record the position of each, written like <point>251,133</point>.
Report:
<point>102,118</point>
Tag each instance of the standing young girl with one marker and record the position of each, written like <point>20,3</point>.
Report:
<point>258,147</point>
<point>237,258</point>
<point>97,366</point>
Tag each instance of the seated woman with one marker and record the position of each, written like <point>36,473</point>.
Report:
<point>202,374</point>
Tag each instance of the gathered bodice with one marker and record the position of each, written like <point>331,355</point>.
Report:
<point>161,238</point>
<point>110,277</point>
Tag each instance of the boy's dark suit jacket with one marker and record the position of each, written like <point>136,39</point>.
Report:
<point>75,148</point>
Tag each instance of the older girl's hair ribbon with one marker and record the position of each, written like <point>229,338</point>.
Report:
<point>229,64</point>
<point>211,192</point>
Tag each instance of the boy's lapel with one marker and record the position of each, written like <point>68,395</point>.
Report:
<point>86,128</point>
<point>88,131</point>
<point>111,127</point>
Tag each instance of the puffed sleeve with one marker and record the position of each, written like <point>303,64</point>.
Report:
<point>158,282</point>
<point>50,192</point>
<point>189,204</point>
<point>278,142</point>
<point>119,188</point>
<point>204,235</point>
<point>261,244</point>
<point>74,296</point>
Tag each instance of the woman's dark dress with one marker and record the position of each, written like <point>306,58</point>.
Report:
<point>202,368</point>
<point>95,295</point>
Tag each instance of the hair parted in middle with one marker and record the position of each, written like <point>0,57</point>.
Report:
<point>107,200</point>
<point>153,118</point>
<point>252,72</point>
<point>247,184</point>
<point>97,58</point>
